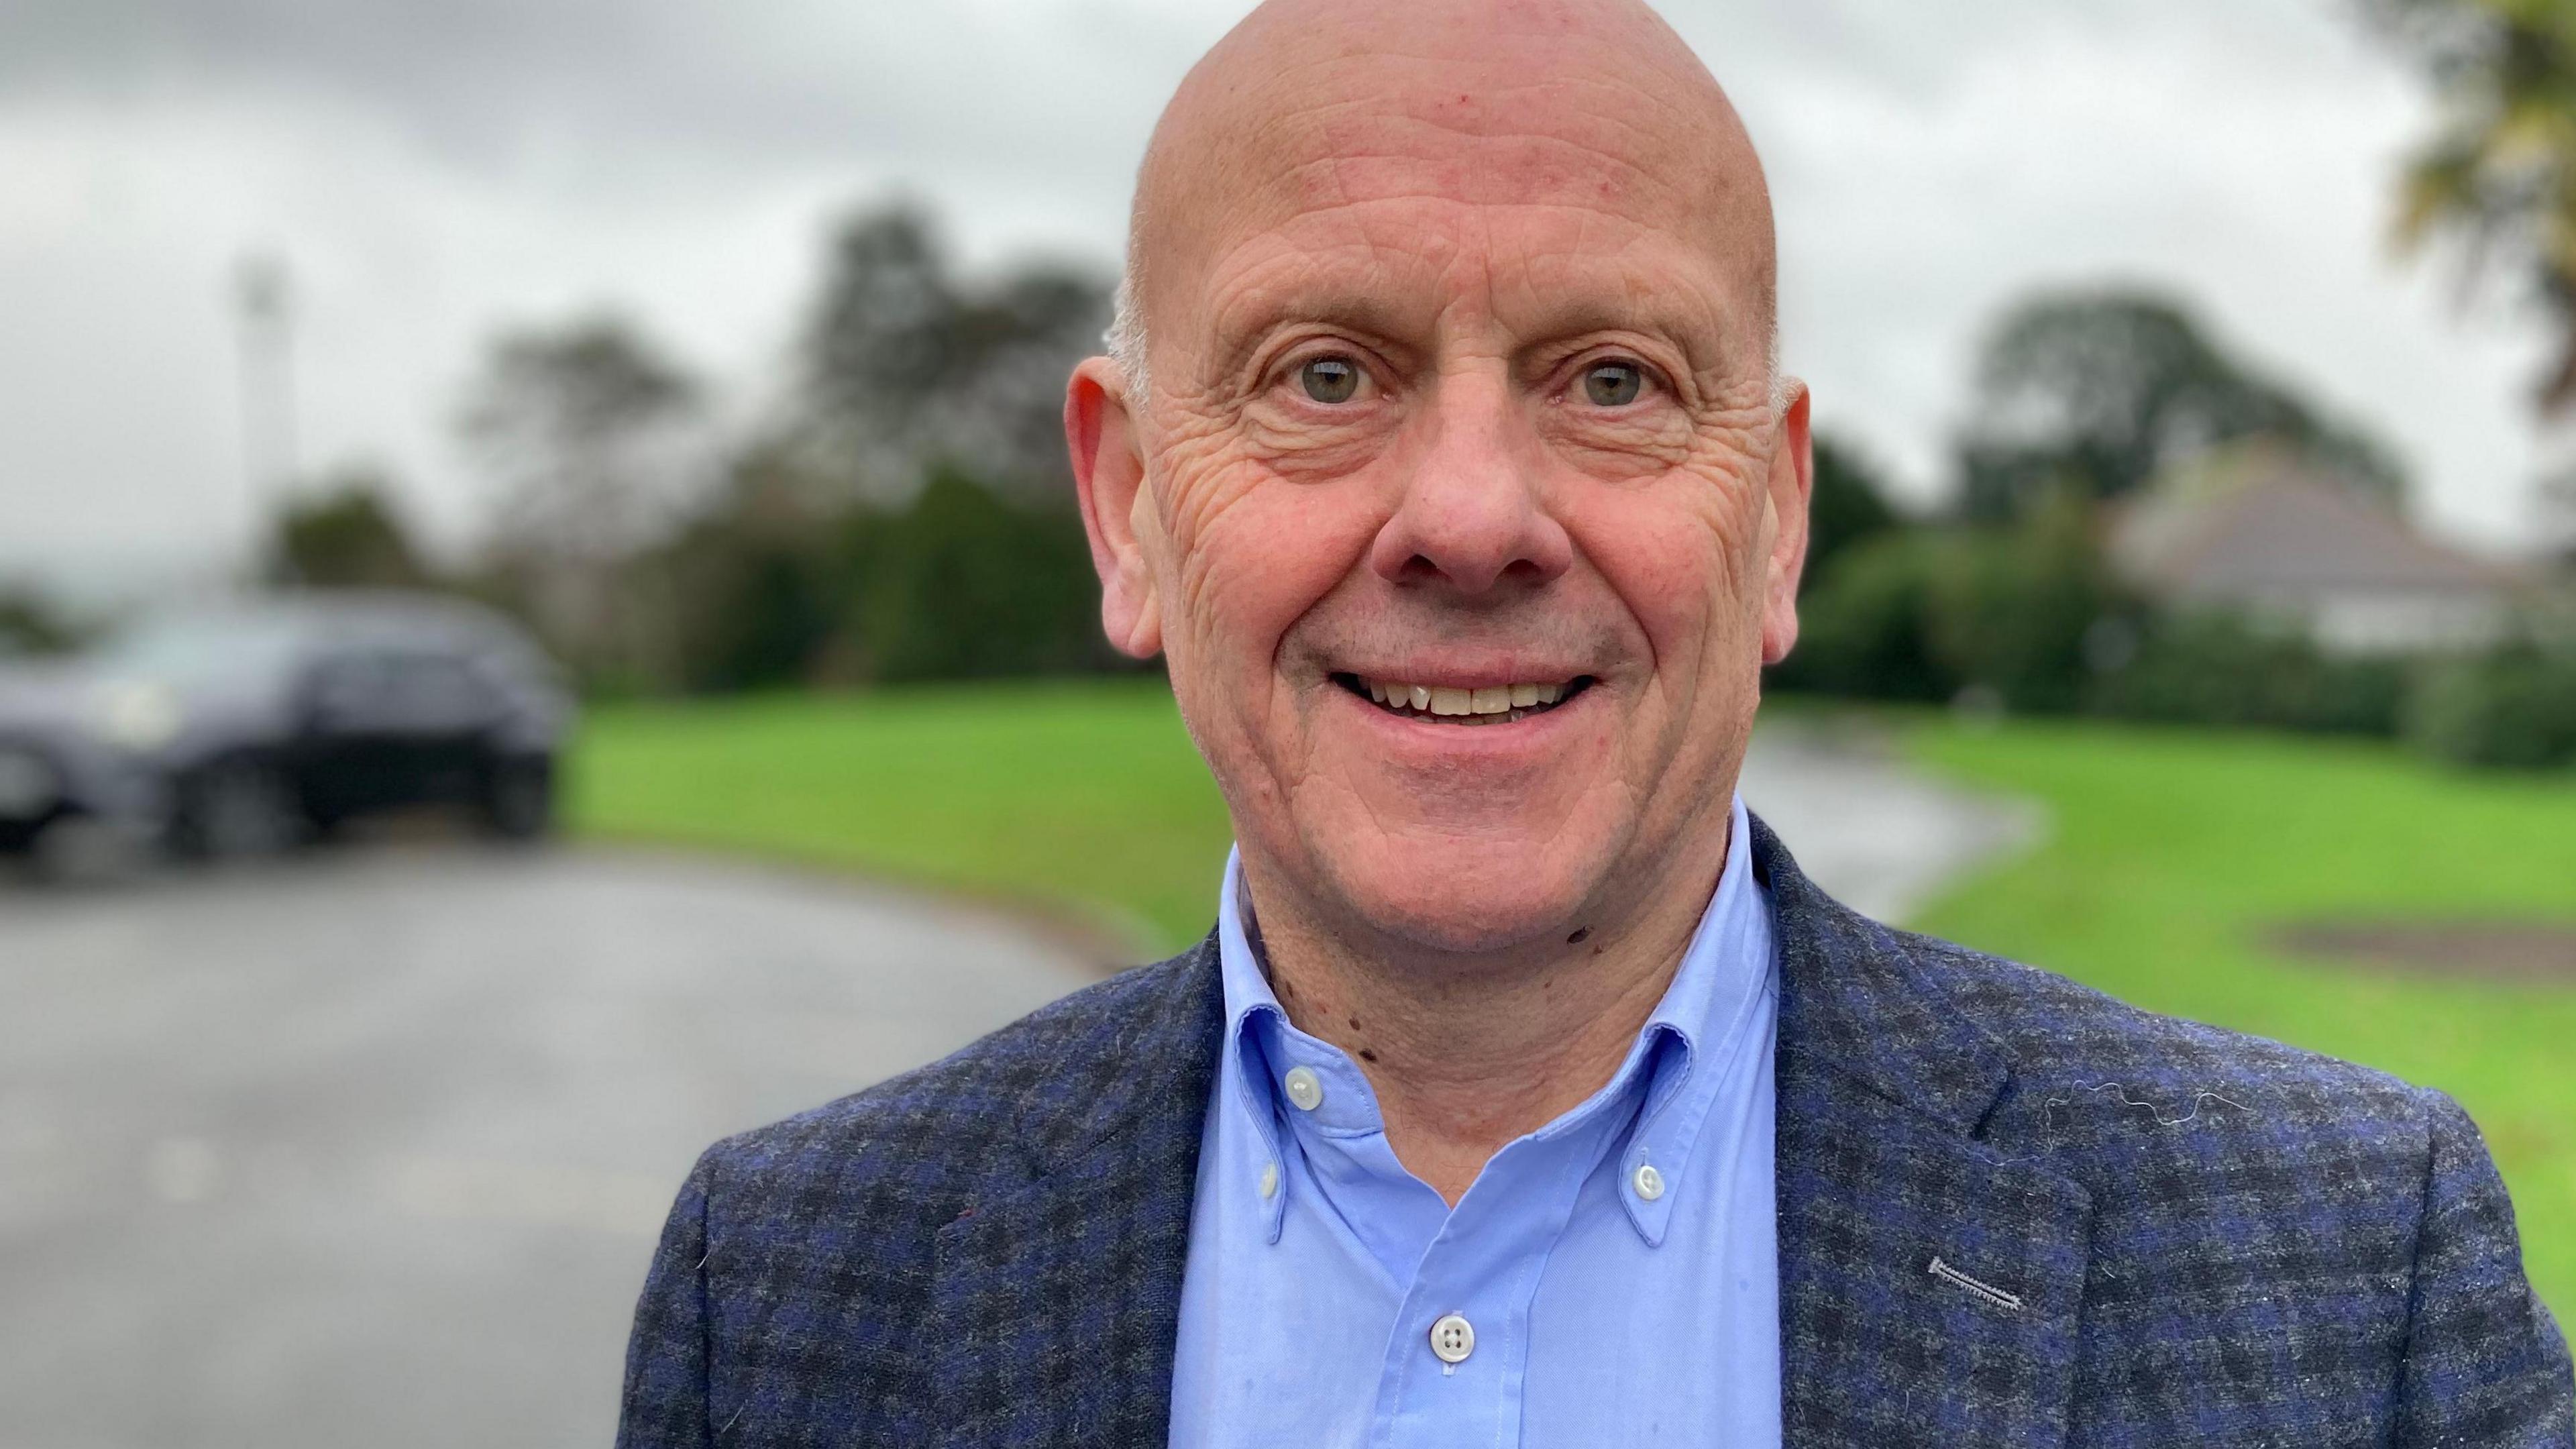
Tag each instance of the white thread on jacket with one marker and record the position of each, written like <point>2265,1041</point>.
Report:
<point>2121,1091</point>
<point>2009,1302</point>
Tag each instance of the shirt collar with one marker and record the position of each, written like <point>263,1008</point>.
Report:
<point>1684,1050</point>
<point>1246,1082</point>
<point>1706,1014</point>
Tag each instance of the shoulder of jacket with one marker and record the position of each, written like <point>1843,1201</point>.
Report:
<point>2088,1056</point>
<point>960,1123</point>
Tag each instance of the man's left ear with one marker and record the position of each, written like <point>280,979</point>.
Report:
<point>1792,483</point>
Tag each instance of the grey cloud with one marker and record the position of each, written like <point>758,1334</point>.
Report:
<point>777,83</point>
<point>769,84</point>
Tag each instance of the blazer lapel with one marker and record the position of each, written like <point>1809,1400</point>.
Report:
<point>1930,1281</point>
<point>1055,1308</point>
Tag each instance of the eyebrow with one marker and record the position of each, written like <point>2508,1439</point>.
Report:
<point>1358,313</point>
<point>1704,339</point>
<point>1580,316</point>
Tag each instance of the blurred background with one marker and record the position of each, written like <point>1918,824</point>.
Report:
<point>541,619</point>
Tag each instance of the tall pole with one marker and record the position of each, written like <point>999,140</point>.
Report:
<point>264,302</point>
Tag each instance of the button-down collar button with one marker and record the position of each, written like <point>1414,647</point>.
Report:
<point>1269,1180</point>
<point>1452,1339</point>
<point>1305,1088</point>
<point>1648,1182</point>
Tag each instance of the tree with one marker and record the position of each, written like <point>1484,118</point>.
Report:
<point>2012,608</point>
<point>904,367</point>
<point>587,433</point>
<point>757,580</point>
<point>2096,392</point>
<point>1846,505</point>
<point>347,536</point>
<point>963,584</point>
<point>1865,629</point>
<point>1923,613</point>
<point>2497,176</point>
<point>580,426</point>
<point>29,624</point>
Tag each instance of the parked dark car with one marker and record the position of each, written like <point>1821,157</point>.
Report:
<point>240,728</point>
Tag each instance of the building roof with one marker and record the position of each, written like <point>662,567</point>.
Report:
<point>2261,521</point>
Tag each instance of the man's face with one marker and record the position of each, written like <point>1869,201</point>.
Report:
<point>1468,519</point>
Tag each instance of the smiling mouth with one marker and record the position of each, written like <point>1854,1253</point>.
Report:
<point>1491,704</point>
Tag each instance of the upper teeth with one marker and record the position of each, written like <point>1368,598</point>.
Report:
<point>1440,699</point>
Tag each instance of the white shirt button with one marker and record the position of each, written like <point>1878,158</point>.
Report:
<point>1648,1182</point>
<point>1452,1339</point>
<point>1269,1180</point>
<point>1305,1088</point>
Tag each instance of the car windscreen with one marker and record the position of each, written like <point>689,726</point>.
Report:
<point>208,651</point>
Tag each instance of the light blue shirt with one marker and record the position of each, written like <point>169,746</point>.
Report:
<point>1617,1269</point>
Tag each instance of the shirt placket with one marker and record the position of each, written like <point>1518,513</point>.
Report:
<point>1458,1353</point>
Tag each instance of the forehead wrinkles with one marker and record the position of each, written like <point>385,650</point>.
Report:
<point>1591,127</point>
<point>1556,139</point>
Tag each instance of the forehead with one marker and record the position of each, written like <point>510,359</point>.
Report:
<point>1409,185</point>
<point>1410,271</point>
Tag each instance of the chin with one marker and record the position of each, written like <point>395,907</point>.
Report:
<point>1471,897</point>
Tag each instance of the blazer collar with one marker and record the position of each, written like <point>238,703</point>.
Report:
<point>1930,1278</point>
<point>1055,1300</point>
<point>1852,994</point>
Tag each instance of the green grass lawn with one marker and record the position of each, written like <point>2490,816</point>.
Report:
<point>2170,854</point>
<point>1081,795</point>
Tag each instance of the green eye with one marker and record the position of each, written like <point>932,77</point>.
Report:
<point>1330,379</point>
<point>1613,384</point>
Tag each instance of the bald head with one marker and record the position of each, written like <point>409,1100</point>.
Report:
<point>1355,105</point>
<point>1461,402</point>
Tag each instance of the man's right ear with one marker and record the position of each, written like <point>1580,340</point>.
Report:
<point>1109,475</point>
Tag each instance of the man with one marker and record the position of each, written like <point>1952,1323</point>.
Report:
<point>1526,1093</point>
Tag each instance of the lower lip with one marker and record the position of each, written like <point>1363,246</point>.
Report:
<point>1418,734</point>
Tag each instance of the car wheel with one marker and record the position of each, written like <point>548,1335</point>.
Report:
<point>237,810</point>
<point>518,799</point>
<point>81,850</point>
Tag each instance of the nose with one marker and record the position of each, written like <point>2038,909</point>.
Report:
<point>1472,517</point>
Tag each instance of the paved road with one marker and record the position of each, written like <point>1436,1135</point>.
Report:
<point>1881,837</point>
<point>370,1149</point>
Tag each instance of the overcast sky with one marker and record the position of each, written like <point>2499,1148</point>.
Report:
<point>437,169</point>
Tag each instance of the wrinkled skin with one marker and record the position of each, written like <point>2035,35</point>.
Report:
<point>1534,242</point>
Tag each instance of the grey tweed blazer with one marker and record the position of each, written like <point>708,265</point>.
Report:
<point>2012,1212</point>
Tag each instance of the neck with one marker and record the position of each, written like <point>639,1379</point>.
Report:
<point>1468,1051</point>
